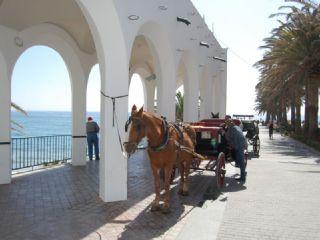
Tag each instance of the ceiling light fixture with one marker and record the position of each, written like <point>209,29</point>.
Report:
<point>133,17</point>
<point>163,8</point>
<point>18,41</point>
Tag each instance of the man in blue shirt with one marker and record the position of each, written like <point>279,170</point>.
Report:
<point>238,143</point>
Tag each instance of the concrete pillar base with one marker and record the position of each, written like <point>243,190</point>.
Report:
<point>79,148</point>
<point>5,164</point>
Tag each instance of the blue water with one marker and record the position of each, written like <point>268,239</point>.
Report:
<point>45,123</point>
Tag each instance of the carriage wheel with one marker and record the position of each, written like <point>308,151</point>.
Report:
<point>220,170</point>
<point>256,147</point>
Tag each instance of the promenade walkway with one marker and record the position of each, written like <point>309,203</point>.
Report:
<point>282,196</point>
<point>280,200</point>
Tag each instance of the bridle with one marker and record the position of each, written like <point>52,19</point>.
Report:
<point>139,125</point>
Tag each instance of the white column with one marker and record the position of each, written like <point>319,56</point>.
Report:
<point>223,80</point>
<point>191,95</point>
<point>114,68</point>
<point>113,165</point>
<point>5,138</point>
<point>207,96</point>
<point>79,141</point>
<point>216,93</point>
<point>166,95</point>
<point>150,88</point>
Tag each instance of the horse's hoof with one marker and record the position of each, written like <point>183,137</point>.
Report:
<point>155,208</point>
<point>165,210</point>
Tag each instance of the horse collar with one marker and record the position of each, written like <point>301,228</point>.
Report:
<point>165,140</point>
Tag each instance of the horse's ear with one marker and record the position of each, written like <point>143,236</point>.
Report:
<point>134,108</point>
<point>140,111</point>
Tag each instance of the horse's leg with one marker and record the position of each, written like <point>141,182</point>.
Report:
<point>186,177</point>
<point>181,182</point>
<point>167,174</point>
<point>156,174</point>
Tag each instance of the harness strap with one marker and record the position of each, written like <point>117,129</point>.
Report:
<point>189,150</point>
<point>178,130</point>
<point>114,116</point>
<point>166,138</point>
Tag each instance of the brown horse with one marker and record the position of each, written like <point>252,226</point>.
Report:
<point>168,146</point>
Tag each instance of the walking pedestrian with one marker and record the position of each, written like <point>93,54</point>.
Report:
<point>238,143</point>
<point>271,130</point>
<point>92,129</point>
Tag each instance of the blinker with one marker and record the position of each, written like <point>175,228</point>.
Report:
<point>127,124</point>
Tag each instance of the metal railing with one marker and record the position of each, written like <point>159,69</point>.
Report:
<point>35,151</point>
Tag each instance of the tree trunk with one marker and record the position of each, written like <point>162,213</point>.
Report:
<point>268,118</point>
<point>298,119</point>
<point>284,114</point>
<point>306,108</point>
<point>293,115</point>
<point>313,105</point>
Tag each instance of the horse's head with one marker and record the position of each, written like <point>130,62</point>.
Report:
<point>136,128</point>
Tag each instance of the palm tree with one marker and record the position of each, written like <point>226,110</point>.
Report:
<point>292,61</point>
<point>179,106</point>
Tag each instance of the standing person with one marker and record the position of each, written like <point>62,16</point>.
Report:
<point>238,143</point>
<point>271,130</point>
<point>92,129</point>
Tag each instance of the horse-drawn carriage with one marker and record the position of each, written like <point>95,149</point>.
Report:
<point>200,146</point>
<point>251,128</point>
<point>212,143</point>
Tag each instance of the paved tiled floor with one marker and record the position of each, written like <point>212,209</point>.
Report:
<point>282,195</point>
<point>280,200</point>
<point>62,203</point>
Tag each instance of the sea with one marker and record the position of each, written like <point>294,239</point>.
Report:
<point>45,123</point>
<point>48,123</point>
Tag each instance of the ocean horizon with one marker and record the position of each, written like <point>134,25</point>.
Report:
<point>48,123</point>
<point>45,123</point>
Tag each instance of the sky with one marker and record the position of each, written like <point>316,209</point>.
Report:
<point>41,82</point>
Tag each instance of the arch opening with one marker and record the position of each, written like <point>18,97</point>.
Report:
<point>137,95</point>
<point>93,104</point>
<point>41,85</point>
<point>143,72</point>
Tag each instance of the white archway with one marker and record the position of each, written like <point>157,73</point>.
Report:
<point>164,67</point>
<point>78,65</point>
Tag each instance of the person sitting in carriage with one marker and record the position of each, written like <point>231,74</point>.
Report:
<point>238,143</point>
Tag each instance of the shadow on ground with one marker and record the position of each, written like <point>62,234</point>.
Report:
<point>63,203</point>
